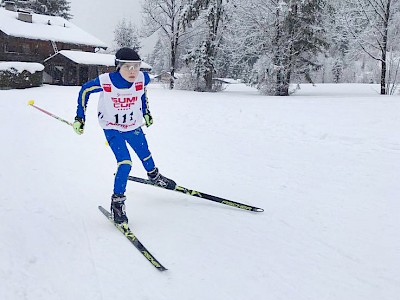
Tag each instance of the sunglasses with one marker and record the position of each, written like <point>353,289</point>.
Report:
<point>130,66</point>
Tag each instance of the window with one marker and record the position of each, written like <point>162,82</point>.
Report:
<point>11,48</point>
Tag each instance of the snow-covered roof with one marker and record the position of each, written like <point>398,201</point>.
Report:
<point>21,66</point>
<point>59,30</point>
<point>90,58</point>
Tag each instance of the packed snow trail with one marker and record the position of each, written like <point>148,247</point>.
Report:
<point>322,163</point>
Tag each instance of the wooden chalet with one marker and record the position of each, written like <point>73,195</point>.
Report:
<point>70,67</point>
<point>30,37</point>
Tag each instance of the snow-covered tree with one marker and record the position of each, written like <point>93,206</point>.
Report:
<point>126,34</point>
<point>337,70</point>
<point>336,59</point>
<point>271,43</point>
<point>59,8</point>
<point>393,78</point>
<point>164,17</point>
<point>204,53</point>
<point>277,41</point>
<point>157,59</point>
<point>373,24</point>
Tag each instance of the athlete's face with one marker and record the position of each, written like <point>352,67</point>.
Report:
<point>130,71</point>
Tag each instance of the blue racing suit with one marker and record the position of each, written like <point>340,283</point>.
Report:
<point>118,139</point>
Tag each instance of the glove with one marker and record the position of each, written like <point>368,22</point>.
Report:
<point>148,118</point>
<point>78,125</point>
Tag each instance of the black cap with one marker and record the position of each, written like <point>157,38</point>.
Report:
<point>126,55</point>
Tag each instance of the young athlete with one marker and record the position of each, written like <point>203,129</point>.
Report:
<point>121,109</point>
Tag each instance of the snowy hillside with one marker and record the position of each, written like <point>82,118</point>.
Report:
<point>324,164</point>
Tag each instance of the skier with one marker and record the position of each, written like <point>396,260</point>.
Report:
<point>122,106</point>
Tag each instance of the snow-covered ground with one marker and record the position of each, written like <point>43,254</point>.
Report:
<point>324,164</point>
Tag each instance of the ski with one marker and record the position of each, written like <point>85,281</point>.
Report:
<point>134,240</point>
<point>194,193</point>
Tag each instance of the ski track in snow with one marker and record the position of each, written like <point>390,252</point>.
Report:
<point>323,163</point>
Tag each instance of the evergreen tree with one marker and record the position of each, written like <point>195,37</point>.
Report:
<point>277,41</point>
<point>337,70</point>
<point>158,59</point>
<point>59,8</point>
<point>126,34</point>
<point>204,56</point>
<point>337,58</point>
<point>298,40</point>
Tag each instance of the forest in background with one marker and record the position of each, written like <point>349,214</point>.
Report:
<point>269,44</point>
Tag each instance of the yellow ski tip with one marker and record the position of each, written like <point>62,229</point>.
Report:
<point>31,102</point>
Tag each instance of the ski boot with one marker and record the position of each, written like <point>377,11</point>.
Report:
<point>157,179</point>
<point>118,209</point>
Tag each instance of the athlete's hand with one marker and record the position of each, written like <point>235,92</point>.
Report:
<point>78,125</point>
<point>148,118</point>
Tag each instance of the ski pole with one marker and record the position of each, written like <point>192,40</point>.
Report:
<point>31,103</point>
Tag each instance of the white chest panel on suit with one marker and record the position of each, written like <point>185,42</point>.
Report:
<point>120,109</point>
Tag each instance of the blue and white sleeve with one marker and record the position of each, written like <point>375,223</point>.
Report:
<point>92,86</point>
